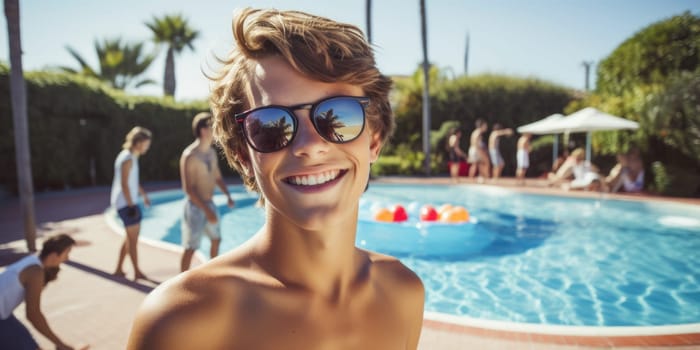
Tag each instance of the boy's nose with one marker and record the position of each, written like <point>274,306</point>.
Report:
<point>307,141</point>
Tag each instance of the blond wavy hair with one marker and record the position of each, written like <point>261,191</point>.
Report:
<point>316,47</point>
<point>135,136</point>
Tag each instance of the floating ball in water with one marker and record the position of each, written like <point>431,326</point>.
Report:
<point>455,214</point>
<point>399,213</point>
<point>428,213</point>
<point>384,215</point>
<point>443,208</point>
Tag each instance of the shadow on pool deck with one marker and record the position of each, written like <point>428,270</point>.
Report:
<point>116,279</point>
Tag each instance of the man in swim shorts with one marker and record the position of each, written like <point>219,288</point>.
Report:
<point>522,157</point>
<point>478,157</point>
<point>497,161</point>
<point>199,172</point>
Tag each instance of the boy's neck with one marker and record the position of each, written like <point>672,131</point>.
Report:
<point>202,144</point>
<point>325,263</point>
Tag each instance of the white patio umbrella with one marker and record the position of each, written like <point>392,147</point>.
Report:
<point>543,126</point>
<point>588,120</point>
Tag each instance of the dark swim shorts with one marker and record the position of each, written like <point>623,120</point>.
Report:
<point>14,335</point>
<point>130,215</point>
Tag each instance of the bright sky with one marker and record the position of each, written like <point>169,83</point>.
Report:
<point>547,39</point>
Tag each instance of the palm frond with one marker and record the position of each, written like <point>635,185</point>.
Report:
<point>145,82</point>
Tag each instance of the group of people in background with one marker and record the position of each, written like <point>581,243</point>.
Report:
<point>24,280</point>
<point>485,158</point>
<point>199,175</point>
<point>571,172</point>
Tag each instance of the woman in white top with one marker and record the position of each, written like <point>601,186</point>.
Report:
<point>125,191</point>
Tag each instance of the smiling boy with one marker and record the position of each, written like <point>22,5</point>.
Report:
<point>301,112</point>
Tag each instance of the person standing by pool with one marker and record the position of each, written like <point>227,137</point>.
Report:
<point>497,161</point>
<point>125,192</point>
<point>199,174</point>
<point>24,280</point>
<point>301,111</point>
<point>522,157</point>
<point>478,156</point>
<point>455,153</point>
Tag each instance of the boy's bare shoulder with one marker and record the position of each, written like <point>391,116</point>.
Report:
<point>390,270</point>
<point>194,309</point>
<point>392,277</point>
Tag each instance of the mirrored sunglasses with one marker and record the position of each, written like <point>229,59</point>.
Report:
<point>337,119</point>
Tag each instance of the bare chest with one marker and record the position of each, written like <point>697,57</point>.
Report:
<point>204,161</point>
<point>372,325</point>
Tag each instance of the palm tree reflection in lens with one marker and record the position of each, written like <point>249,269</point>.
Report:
<point>328,125</point>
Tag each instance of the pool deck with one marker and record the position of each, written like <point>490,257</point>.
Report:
<point>87,305</point>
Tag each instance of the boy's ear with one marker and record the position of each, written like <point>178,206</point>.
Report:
<point>375,147</point>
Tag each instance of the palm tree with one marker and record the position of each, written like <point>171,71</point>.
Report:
<point>426,91</point>
<point>120,64</point>
<point>19,116</point>
<point>174,31</point>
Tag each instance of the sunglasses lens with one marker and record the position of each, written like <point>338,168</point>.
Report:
<point>339,119</point>
<point>269,129</point>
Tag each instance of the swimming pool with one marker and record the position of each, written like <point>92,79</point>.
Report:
<point>550,260</point>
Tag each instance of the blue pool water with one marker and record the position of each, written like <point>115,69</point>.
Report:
<point>522,258</point>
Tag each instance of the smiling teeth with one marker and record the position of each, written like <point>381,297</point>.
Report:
<point>316,179</point>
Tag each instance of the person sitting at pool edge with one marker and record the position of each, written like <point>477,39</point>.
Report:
<point>301,111</point>
<point>628,174</point>
<point>577,174</point>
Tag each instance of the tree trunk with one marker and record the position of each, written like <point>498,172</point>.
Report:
<point>368,15</point>
<point>19,116</point>
<point>426,91</point>
<point>169,77</point>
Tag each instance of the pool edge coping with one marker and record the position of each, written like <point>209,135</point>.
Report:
<point>559,330</point>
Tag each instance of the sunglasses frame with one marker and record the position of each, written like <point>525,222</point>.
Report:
<point>312,107</point>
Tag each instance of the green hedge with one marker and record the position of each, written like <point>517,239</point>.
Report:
<point>75,121</point>
<point>670,180</point>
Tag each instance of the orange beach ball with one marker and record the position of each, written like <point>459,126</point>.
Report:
<point>455,214</point>
<point>384,215</point>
